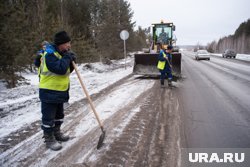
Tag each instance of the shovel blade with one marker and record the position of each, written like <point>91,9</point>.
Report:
<point>101,140</point>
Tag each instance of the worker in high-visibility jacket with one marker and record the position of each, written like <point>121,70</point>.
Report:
<point>165,65</point>
<point>55,68</point>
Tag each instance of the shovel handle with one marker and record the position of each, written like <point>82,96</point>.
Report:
<point>170,65</point>
<point>87,95</point>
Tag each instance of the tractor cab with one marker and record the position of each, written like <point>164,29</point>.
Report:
<point>163,34</point>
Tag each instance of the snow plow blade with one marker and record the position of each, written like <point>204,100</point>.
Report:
<point>146,64</point>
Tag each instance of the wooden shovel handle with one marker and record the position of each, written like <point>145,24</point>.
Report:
<point>87,95</point>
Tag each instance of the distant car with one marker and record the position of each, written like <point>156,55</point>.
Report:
<point>229,53</point>
<point>202,55</point>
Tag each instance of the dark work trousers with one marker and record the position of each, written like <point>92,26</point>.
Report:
<point>165,73</point>
<point>52,116</point>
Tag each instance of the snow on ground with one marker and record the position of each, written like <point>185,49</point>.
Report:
<point>20,106</point>
<point>113,103</point>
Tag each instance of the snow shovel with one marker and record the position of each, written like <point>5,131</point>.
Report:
<point>101,139</point>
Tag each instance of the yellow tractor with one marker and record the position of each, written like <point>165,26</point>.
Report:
<point>146,63</point>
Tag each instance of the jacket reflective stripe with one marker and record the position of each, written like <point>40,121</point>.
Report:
<point>41,64</point>
<point>49,73</point>
<point>53,81</point>
<point>161,64</point>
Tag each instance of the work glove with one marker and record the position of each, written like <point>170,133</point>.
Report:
<point>71,55</point>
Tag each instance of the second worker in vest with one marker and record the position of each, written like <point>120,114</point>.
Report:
<point>54,83</point>
<point>165,65</point>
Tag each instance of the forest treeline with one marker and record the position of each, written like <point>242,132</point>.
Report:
<point>94,27</point>
<point>239,41</point>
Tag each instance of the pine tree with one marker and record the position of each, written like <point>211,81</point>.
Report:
<point>14,41</point>
<point>94,27</point>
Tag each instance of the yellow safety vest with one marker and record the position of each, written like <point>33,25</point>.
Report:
<point>161,64</point>
<point>50,80</point>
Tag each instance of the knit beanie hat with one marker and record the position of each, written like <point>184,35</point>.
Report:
<point>170,47</point>
<point>61,38</point>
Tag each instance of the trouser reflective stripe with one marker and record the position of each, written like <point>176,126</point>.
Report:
<point>52,115</point>
<point>60,120</point>
<point>48,126</point>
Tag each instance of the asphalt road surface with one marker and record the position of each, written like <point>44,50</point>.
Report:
<point>215,103</point>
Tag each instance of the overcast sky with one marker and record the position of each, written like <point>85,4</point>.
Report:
<point>196,20</point>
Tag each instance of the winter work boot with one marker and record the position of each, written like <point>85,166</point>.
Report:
<point>51,142</point>
<point>59,135</point>
<point>162,84</point>
<point>170,83</point>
